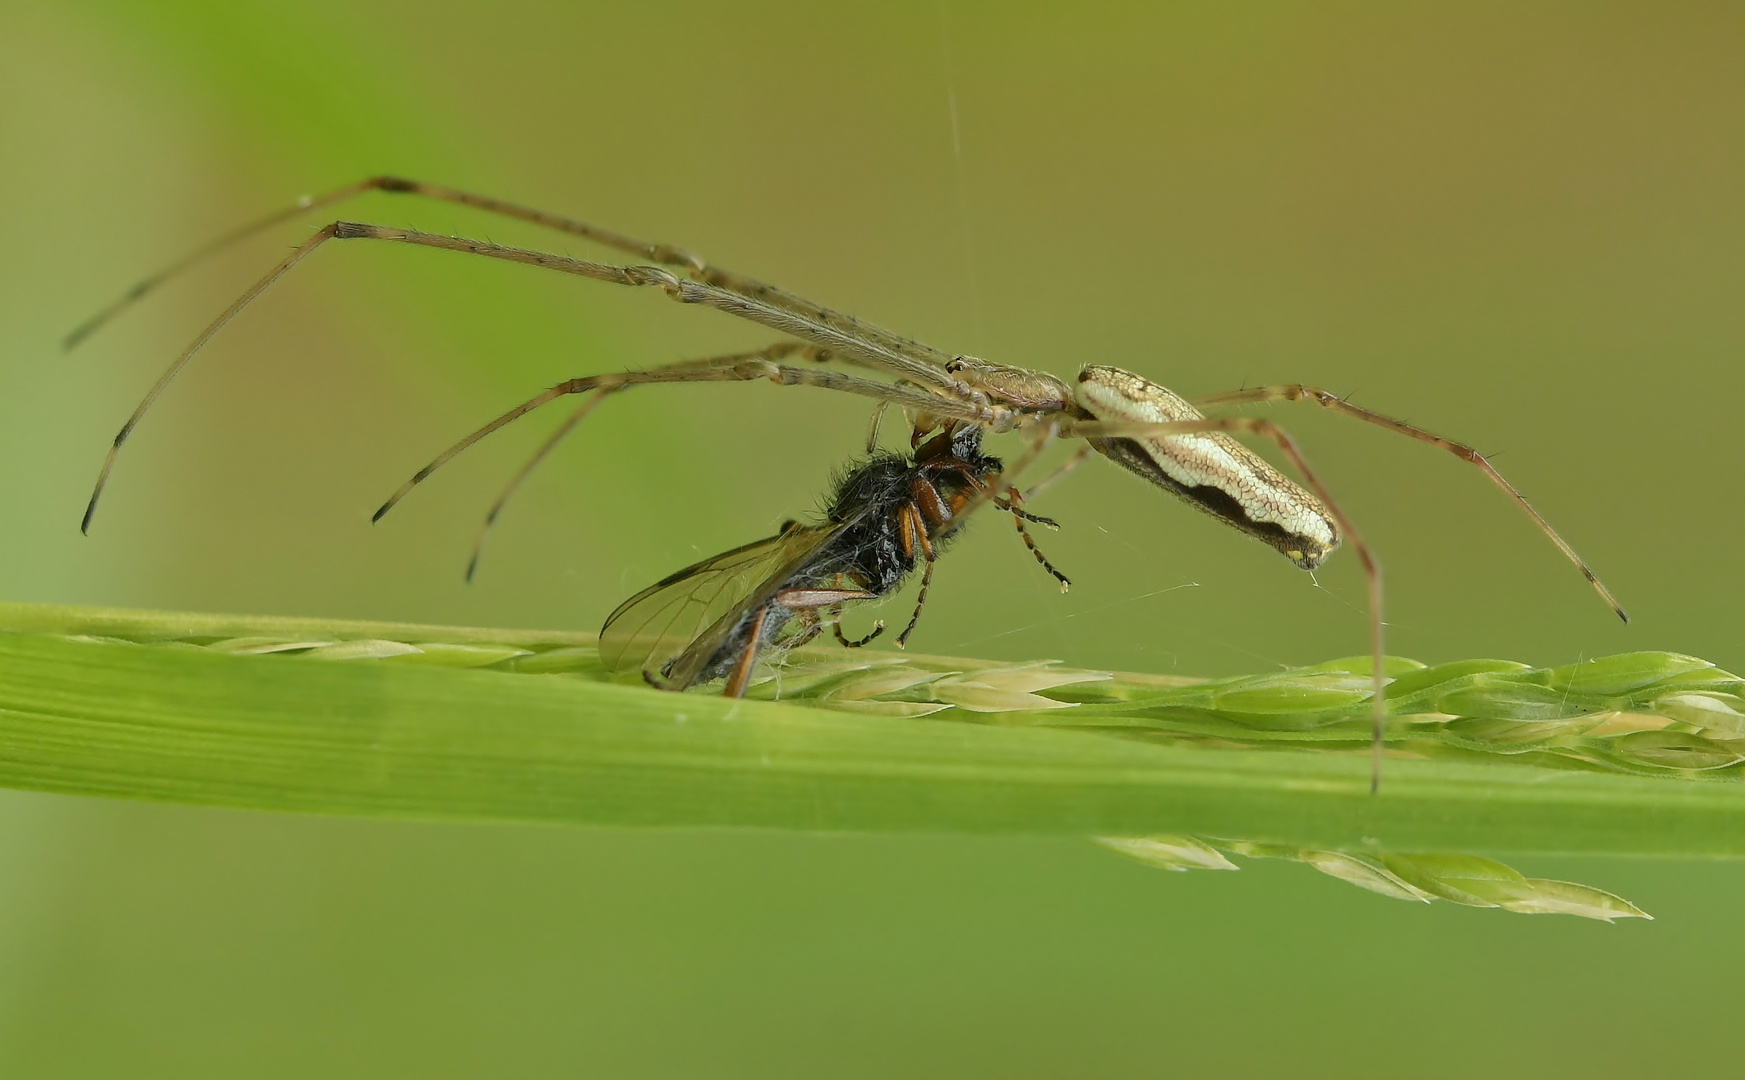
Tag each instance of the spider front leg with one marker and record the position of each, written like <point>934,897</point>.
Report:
<point>921,361</point>
<point>856,342</point>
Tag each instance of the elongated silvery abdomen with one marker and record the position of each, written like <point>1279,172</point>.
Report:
<point>1209,469</point>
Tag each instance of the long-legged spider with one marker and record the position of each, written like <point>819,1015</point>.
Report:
<point>1136,423</point>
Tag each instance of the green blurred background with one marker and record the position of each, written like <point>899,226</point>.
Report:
<point>1517,224</point>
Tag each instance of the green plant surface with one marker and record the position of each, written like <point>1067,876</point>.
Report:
<point>474,724</point>
<point>1467,880</point>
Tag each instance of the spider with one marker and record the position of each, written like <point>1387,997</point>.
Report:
<point>1136,423</point>
<point>712,619</point>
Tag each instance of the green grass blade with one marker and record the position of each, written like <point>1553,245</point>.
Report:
<point>461,724</point>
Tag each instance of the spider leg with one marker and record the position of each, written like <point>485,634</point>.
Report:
<point>924,356</point>
<point>960,401</point>
<point>1328,400</point>
<point>1083,455</point>
<point>738,367</point>
<point>157,388</point>
<point>521,474</point>
<point>770,307</point>
<point>919,427</point>
<point>872,426</point>
<point>148,285</point>
<point>774,352</point>
<point>1256,425</point>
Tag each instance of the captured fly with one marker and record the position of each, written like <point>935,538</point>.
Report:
<point>712,619</point>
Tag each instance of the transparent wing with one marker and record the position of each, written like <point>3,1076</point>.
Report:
<point>689,613</point>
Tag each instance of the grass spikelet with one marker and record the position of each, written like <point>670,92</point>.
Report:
<point>1634,754</point>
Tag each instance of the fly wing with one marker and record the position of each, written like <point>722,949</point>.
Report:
<point>683,618</point>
